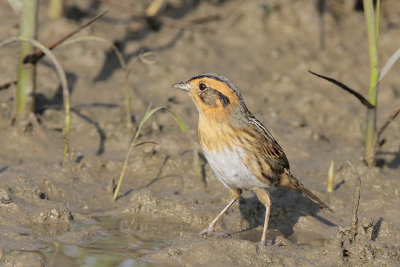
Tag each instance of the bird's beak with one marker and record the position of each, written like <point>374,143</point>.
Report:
<point>182,85</point>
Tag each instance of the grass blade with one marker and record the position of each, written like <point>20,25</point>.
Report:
<point>64,85</point>
<point>149,112</point>
<point>179,121</point>
<point>122,175</point>
<point>389,64</point>
<point>147,115</point>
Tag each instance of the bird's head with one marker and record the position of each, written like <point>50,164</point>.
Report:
<point>213,95</point>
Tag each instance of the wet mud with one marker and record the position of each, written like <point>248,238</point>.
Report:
<point>57,214</point>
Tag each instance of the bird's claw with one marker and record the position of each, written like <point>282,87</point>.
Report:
<point>262,244</point>
<point>208,231</point>
<point>265,243</point>
<point>211,231</point>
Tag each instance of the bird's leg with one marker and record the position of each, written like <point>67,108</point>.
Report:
<point>210,229</point>
<point>265,198</point>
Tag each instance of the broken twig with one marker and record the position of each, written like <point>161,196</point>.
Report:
<point>392,116</point>
<point>34,57</point>
<point>356,203</point>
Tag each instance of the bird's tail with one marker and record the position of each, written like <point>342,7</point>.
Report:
<point>289,181</point>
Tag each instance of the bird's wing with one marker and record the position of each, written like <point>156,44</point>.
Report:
<point>271,150</point>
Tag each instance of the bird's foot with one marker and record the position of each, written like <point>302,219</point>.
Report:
<point>210,231</point>
<point>260,245</point>
<point>207,231</point>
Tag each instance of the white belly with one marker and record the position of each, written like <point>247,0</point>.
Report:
<point>230,169</point>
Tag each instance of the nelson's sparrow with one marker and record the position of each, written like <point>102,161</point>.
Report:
<point>240,150</point>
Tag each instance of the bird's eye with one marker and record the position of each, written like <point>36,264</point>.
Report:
<point>202,86</point>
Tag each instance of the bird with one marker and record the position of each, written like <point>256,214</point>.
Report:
<point>239,148</point>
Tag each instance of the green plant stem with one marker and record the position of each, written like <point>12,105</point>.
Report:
<point>149,112</point>
<point>64,84</point>
<point>124,166</point>
<point>26,72</point>
<point>377,13</point>
<point>374,77</point>
<point>370,131</point>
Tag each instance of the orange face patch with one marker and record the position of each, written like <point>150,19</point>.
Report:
<point>213,97</point>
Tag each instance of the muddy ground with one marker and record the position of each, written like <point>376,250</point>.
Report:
<point>55,214</point>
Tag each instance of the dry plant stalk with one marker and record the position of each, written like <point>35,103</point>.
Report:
<point>356,204</point>
<point>34,57</point>
<point>55,9</point>
<point>154,8</point>
<point>392,116</point>
<point>331,176</point>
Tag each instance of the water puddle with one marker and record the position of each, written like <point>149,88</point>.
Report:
<point>111,246</point>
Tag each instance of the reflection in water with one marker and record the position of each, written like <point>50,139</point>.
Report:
<point>111,246</point>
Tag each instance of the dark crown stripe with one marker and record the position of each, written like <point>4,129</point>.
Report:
<point>218,78</point>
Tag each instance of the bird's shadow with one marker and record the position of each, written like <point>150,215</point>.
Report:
<point>156,179</point>
<point>111,62</point>
<point>56,102</point>
<point>287,207</point>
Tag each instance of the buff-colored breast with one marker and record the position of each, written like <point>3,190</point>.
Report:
<point>224,151</point>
